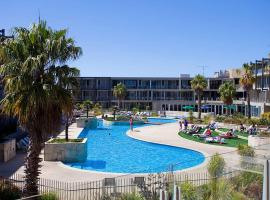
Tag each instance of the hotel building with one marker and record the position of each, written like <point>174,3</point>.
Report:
<point>166,93</point>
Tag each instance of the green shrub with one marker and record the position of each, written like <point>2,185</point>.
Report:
<point>224,190</point>
<point>264,134</point>
<point>190,116</point>
<point>245,180</point>
<point>207,119</point>
<point>216,166</point>
<point>132,196</point>
<point>154,114</point>
<point>49,196</point>
<point>245,150</point>
<point>204,192</point>
<point>238,196</point>
<point>266,116</point>
<point>220,118</point>
<point>9,191</point>
<point>188,191</point>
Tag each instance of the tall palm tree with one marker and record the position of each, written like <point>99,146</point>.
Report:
<point>199,84</point>
<point>120,92</point>
<point>87,104</point>
<point>247,81</point>
<point>227,92</point>
<point>33,93</point>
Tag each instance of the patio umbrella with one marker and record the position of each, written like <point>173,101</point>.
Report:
<point>188,107</point>
<point>205,107</point>
<point>231,107</point>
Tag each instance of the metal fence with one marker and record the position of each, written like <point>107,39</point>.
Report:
<point>115,187</point>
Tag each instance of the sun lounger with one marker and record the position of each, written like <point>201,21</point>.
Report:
<point>215,140</point>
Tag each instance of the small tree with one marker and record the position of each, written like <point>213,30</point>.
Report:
<point>88,105</point>
<point>247,81</point>
<point>120,92</point>
<point>215,169</point>
<point>227,92</point>
<point>199,84</point>
<point>190,116</point>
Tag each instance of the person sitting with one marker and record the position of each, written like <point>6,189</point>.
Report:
<point>212,125</point>
<point>194,130</point>
<point>242,128</point>
<point>252,129</point>
<point>207,133</point>
<point>229,134</point>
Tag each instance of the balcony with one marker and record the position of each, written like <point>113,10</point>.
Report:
<point>260,96</point>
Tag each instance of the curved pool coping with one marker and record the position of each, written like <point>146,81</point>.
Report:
<point>128,133</point>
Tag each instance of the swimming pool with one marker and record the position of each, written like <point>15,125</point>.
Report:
<point>111,150</point>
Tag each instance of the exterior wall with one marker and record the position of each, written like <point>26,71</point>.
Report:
<point>7,150</point>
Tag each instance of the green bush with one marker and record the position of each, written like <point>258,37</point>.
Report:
<point>9,191</point>
<point>220,118</point>
<point>190,116</point>
<point>264,134</point>
<point>132,196</point>
<point>49,196</point>
<point>204,192</point>
<point>154,114</point>
<point>248,183</point>
<point>238,196</point>
<point>207,119</point>
<point>216,166</point>
<point>188,191</point>
<point>245,150</point>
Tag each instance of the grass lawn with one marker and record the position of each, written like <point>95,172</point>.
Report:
<point>229,142</point>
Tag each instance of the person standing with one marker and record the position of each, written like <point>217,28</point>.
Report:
<point>131,123</point>
<point>180,125</point>
<point>185,124</point>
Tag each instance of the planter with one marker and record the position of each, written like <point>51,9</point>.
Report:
<point>7,149</point>
<point>255,141</point>
<point>66,152</point>
<point>90,122</point>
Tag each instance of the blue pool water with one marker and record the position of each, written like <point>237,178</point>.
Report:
<point>111,150</point>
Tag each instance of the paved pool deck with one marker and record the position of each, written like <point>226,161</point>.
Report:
<point>166,134</point>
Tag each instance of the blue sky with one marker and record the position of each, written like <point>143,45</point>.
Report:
<point>153,37</point>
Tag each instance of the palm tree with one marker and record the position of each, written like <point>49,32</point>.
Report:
<point>88,105</point>
<point>120,92</point>
<point>33,93</point>
<point>199,84</point>
<point>67,78</point>
<point>227,92</point>
<point>247,81</point>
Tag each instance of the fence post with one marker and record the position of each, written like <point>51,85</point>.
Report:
<point>266,181</point>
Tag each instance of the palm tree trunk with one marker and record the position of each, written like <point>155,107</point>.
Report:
<point>118,103</point>
<point>199,106</point>
<point>227,110</point>
<point>32,165</point>
<point>87,110</point>
<point>66,129</point>
<point>248,102</point>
